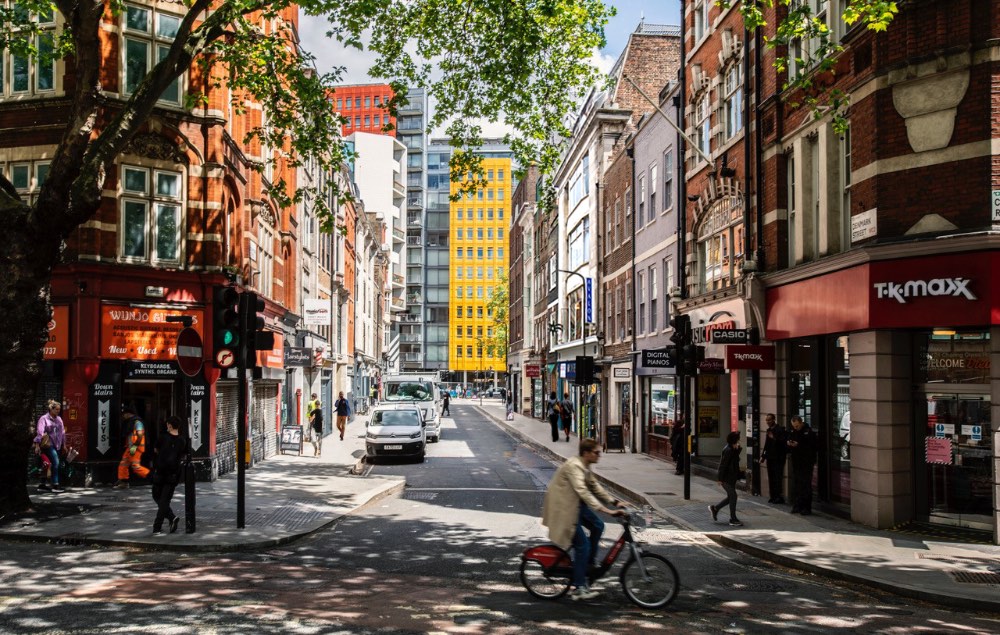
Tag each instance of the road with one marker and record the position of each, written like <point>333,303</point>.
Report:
<point>441,558</point>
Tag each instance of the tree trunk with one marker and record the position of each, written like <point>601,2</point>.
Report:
<point>26,260</point>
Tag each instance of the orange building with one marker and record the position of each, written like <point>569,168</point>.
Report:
<point>364,107</point>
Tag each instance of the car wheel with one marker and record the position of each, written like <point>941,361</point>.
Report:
<point>420,457</point>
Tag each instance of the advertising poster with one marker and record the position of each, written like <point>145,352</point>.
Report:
<point>708,421</point>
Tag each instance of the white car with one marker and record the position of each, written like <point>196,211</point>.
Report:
<point>419,393</point>
<point>396,430</point>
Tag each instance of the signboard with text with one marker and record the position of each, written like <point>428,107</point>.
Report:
<point>657,358</point>
<point>750,357</point>
<point>57,346</point>
<point>142,333</point>
<point>532,370</point>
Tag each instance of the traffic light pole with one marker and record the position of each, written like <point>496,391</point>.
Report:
<point>241,416</point>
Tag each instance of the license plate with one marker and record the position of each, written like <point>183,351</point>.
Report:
<point>392,447</point>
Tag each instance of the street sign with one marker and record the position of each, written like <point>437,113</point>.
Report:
<point>590,301</point>
<point>189,352</point>
<point>225,358</point>
<point>729,336</point>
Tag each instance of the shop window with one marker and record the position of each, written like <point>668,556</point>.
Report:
<point>151,207</point>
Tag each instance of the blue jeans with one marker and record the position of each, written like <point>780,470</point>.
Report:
<point>54,457</point>
<point>585,549</point>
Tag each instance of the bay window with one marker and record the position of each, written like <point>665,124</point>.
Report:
<point>151,205</point>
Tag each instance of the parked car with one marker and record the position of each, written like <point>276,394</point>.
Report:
<point>396,430</point>
<point>419,392</point>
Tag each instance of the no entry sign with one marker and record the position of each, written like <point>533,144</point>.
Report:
<point>189,352</point>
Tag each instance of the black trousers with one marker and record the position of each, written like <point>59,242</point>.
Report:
<point>554,422</point>
<point>802,492</point>
<point>776,477</point>
<point>162,493</point>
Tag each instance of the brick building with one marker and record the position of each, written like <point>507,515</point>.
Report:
<point>523,362</point>
<point>870,272</point>
<point>364,107</point>
<point>182,212</point>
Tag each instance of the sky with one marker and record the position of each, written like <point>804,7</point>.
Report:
<point>330,54</point>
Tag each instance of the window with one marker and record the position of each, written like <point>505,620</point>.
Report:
<point>500,236</point>
<point>458,311</point>
<point>151,208</point>
<point>458,351</point>
<point>468,331</point>
<point>468,311</point>
<point>654,294</point>
<point>368,101</point>
<point>458,253</point>
<point>500,214</point>
<point>468,273</point>
<point>479,233</point>
<point>265,258</point>
<point>703,125</point>
<point>489,195</point>
<point>479,272</point>
<point>734,99</point>
<point>499,175</point>
<point>479,212</point>
<point>458,292</point>
<point>700,19</point>
<point>668,179</point>
<point>500,194</point>
<point>28,178</point>
<point>720,243</point>
<point>580,184</point>
<point>615,234</point>
<point>489,214</point>
<point>479,311</point>
<point>458,272</point>
<point>368,121</point>
<point>32,75</point>
<point>668,283</point>
<point>479,292</point>
<point>479,252</point>
<point>640,212</point>
<point>357,102</point>
<point>357,122</point>
<point>479,194</point>
<point>489,253</point>
<point>640,292</point>
<point>377,120</point>
<point>468,253</point>
<point>489,273</point>
<point>148,37</point>
<point>340,103</point>
<point>653,182</point>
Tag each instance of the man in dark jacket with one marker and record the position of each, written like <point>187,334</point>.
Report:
<point>170,448</point>
<point>678,441</point>
<point>773,456</point>
<point>802,446</point>
<point>729,473</point>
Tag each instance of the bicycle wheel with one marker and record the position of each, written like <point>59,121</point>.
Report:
<point>657,588</point>
<point>549,575</point>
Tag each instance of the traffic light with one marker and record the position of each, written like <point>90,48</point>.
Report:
<point>225,326</point>
<point>681,337</point>
<point>584,370</point>
<point>690,356</point>
<point>257,339</point>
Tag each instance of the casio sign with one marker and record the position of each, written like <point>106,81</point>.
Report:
<point>899,291</point>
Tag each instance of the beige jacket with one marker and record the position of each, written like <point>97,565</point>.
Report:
<point>572,483</point>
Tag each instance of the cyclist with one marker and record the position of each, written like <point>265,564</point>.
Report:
<point>570,501</point>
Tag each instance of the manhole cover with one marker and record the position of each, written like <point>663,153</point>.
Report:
<point>975,577</point>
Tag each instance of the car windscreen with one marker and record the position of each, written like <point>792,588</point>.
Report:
<point>409,391</point>
<point>407,418</point>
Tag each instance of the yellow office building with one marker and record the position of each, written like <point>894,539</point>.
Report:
<point>479,255</point>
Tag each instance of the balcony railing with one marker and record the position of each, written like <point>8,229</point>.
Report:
<point>398,234</point>
<point>414,220</point>
<point>398,304</point>
<point>414,299</point>
<point>414,319</point>
<point>398,279</point>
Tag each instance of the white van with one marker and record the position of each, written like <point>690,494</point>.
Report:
<point>396,431</point>
<point>420,390</point>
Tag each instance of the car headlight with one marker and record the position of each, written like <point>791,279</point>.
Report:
<point>371,435</point>
<point>416,435</point>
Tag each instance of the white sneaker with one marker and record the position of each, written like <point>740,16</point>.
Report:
<point>583,593</point>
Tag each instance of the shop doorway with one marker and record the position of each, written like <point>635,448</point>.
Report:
<point>955,450</point>
<point>153,401</point>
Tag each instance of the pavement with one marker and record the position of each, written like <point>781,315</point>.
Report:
<point>955,574</point>
<point>289,496</point>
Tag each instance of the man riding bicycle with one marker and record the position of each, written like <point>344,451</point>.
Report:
<point>570,501</point>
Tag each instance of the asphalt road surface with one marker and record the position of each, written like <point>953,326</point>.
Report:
<point>442,557</point>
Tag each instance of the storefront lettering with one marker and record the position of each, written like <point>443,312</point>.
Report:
<point>749,357</point>
<point>972,363</point>
<point>104,390</point>
<point>899,291</point>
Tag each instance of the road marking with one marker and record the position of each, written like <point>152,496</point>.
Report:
<point>468,489</point>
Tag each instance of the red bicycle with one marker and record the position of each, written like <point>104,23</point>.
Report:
<point>648,579</point>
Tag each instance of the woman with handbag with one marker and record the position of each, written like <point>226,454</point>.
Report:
<point>50,436</point>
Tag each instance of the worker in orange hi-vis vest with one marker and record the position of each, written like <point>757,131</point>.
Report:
<point>135,445</point>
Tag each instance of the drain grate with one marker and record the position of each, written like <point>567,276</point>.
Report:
<point>420,496</point>
<point>975,577</point>
<point>760,586</point>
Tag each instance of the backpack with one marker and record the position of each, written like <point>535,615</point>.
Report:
<point>556,409</point>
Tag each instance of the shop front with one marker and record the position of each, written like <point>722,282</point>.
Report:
<point>657,386</point>
<point>897,384</point>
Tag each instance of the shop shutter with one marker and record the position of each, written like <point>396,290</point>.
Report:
<point>226,414</point>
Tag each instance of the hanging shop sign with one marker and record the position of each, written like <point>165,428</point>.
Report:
<point>296,357</point>
<point>532,370</point>
<point>317,311</point>
<point>712,366</point>
<point>729,336</point>
<point>657,358</point>
<point>750,357</point>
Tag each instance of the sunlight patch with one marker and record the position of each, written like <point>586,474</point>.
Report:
<point>446,449</point>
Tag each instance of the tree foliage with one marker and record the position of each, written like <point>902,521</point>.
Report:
<point>498,344</point>
<point>800,24</point>
<point>520,61</point>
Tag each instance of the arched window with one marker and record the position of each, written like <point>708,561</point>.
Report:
<point>720,243</point>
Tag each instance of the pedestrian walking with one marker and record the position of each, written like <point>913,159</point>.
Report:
<point>729,473</point>
<point>316,423</point>
<point>566,414</point>
<point>374,396</point>
<point>802,448</point>
<point>553,414</point>
<point>167,454</point>
<point>134,433</point>
<point>446,405</point>
<point>50,438</point>
<point>313,400</point>
<point>343,408</point>
<point>773,455</point>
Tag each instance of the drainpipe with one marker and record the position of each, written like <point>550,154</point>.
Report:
<point>682,203</point>
<point>753,409</point>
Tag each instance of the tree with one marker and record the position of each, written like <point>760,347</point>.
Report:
<point>498,345</point>
<point>522,61</point>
